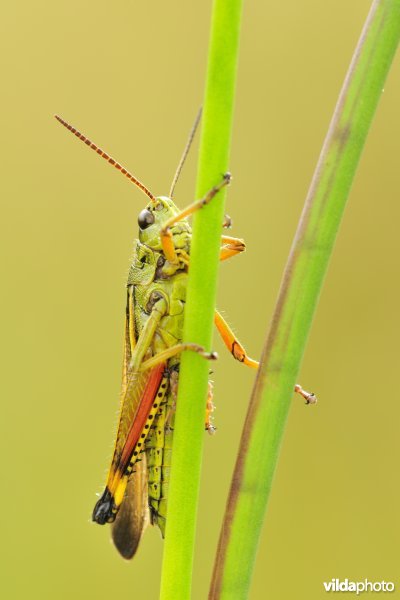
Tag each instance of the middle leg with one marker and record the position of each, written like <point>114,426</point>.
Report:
<point>232,343</point>
<point>238,352</point>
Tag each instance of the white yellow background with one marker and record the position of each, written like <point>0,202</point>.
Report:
<point>130,75</point>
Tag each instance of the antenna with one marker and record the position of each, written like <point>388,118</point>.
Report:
<point>185,152</point>
<point>107,157</point>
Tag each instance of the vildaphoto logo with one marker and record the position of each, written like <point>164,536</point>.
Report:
<point>358,587</point>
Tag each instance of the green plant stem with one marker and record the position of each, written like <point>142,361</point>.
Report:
<point>300,288</point>
<point>200,304</point>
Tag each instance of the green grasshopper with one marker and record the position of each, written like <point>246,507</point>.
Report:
<point>137,484</point>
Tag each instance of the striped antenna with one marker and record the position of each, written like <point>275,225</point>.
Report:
<point>185,152</point>
<point>107,157</point>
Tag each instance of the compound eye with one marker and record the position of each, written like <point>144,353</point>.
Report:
<point>145,219</point>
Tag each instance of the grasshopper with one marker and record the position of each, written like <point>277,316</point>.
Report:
<point>136,491</point>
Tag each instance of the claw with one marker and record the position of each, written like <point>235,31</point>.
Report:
<point>227,223</point>
<point>211,429</point>
<point>227,177</point>
<point>309,397</point>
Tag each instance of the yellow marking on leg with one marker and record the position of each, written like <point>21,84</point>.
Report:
<point>168,245</point>
<point>232,343</point>
<point>237,243</point>
<point>147,334</point>
<point>173,351</point>
<point>120,491</point>
<point>238,352</point>
<point>132,336</point>
<point>227,252</point>
<point>231,247</point>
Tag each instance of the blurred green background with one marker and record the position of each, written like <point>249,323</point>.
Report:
<point>130,75</point>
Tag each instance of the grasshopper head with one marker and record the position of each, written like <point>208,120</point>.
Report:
<point>159,209</point>
<point>152,218</point>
